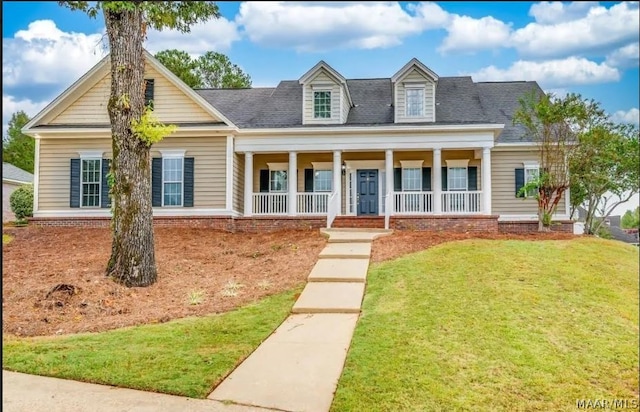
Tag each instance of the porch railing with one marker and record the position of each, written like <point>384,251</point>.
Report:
<point>312,203</point>
<point>333,208</point>
<point>462,202</point>
<point>406,203</point>
<point>270,203</point>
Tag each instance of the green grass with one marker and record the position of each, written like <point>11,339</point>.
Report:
<point>184,357</point>
<point>6,239</point>
<point>496,326</point>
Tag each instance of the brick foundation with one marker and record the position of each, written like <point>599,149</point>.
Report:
<point>531,226</point>
<point>459,224</point>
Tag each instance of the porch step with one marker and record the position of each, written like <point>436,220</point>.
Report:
<point>375,222</point>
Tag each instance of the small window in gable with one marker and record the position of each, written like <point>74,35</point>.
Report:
<point>149,92</point>
<point>415,101</point>
<point>322,104</point>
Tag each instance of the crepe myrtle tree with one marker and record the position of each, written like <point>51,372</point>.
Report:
<point>555,125</point>
<point>133,127</point>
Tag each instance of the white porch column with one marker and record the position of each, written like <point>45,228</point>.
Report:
<point>486,181</point>
<point>292,178</point>
<point>248,184</point>
<point>337,177</point>
<point>388,167</point>
<point>437,181</point>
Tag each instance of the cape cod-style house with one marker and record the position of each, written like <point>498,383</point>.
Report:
<point>414,150</point>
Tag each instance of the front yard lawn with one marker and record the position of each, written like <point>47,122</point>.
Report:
<point>490,325</point>
<point>183,357</point>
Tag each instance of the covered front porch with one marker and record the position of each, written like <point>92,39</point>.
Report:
<point>435,182</point>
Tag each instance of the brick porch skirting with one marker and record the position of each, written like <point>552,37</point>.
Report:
<point>531,226</point>
<point>255,224</point>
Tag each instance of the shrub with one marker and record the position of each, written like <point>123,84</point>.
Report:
<point>21,202</point>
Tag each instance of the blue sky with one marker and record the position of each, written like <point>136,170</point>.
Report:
<point>588,48</point>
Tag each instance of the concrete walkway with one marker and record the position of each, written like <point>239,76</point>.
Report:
<point>30,393</point>
<point>297,368</point>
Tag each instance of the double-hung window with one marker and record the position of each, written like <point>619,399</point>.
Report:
<point>278,181</point>
<point>531,174</point>
<point>172,181</point>
<point>322,180</point>
<point>414,101</point>
<point>457,177</point>
<point>411,179</point>
<point>90,181</point>
<point>322,104</point>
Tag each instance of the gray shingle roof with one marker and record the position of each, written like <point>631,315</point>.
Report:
<point>12,172</point>
<point>458,101</point>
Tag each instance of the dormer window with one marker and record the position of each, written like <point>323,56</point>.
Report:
<point>415,101</point>
<point>322,104</point>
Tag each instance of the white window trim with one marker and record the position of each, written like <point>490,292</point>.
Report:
<point>322,88</point>
<point>322,165</point>
<point>173,154</point>
<point>275,167</point>
<point>530,165</point>
<point>278,166</point>
<point>90,154</point>
<point>414,86</point>
<point>457,163</point>
<point>83,156</point>
<point>411,164</point>
<point>466,172</point>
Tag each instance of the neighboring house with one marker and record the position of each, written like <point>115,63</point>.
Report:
<point>617,233</point>
<point>422,150</point>
<point>12,178</point>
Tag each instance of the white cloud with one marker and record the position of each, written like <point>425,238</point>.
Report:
<point>552,73</point>
<point>213,35</point>
<point>11,105</point>
<point>630,116</point>
<point>563,35</point>
<point>468,34</point>
<point>551,12</point>
<point>333,25</point>
<point>43,54</point>
<point>627,56</point>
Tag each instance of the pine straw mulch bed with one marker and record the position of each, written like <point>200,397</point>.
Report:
<point>53,279</point>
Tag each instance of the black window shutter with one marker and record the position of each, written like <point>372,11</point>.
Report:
<point>74,197</point>
<point>264,180</point>
<point>472,178</point>
<point>519,181</point>
<point>188,182</point>
<point>148,92</point>
<point>308,180</point>
<point>105,201</point>
<point>156,182</point>
<point>397,179</point>
<point>426,179</point>
<point>444,178</point>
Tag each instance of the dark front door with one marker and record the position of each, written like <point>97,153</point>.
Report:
<point>367,192</point>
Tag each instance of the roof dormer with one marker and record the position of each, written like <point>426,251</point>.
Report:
<point>325,96</point>
<point>414,91</point>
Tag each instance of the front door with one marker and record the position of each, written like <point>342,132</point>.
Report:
<point>367,192</point>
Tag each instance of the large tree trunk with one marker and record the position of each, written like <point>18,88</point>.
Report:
<point>132,261</point>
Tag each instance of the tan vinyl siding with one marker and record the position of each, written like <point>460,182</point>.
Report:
<point>209,167</point>
<point>345,107</point>
<point>429,104</point>
<point>170,104</point>
<point>55,168</point>
<point>320,81</point>
<point>503,186</point>
<point>238,182</point>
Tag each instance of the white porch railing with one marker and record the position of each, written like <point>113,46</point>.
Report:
<point>462,202</point>
<point>388,202</point>
<point>312,203</point>
<point>409,203</point>
<point>333,208</point>
<point>270,203</point>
